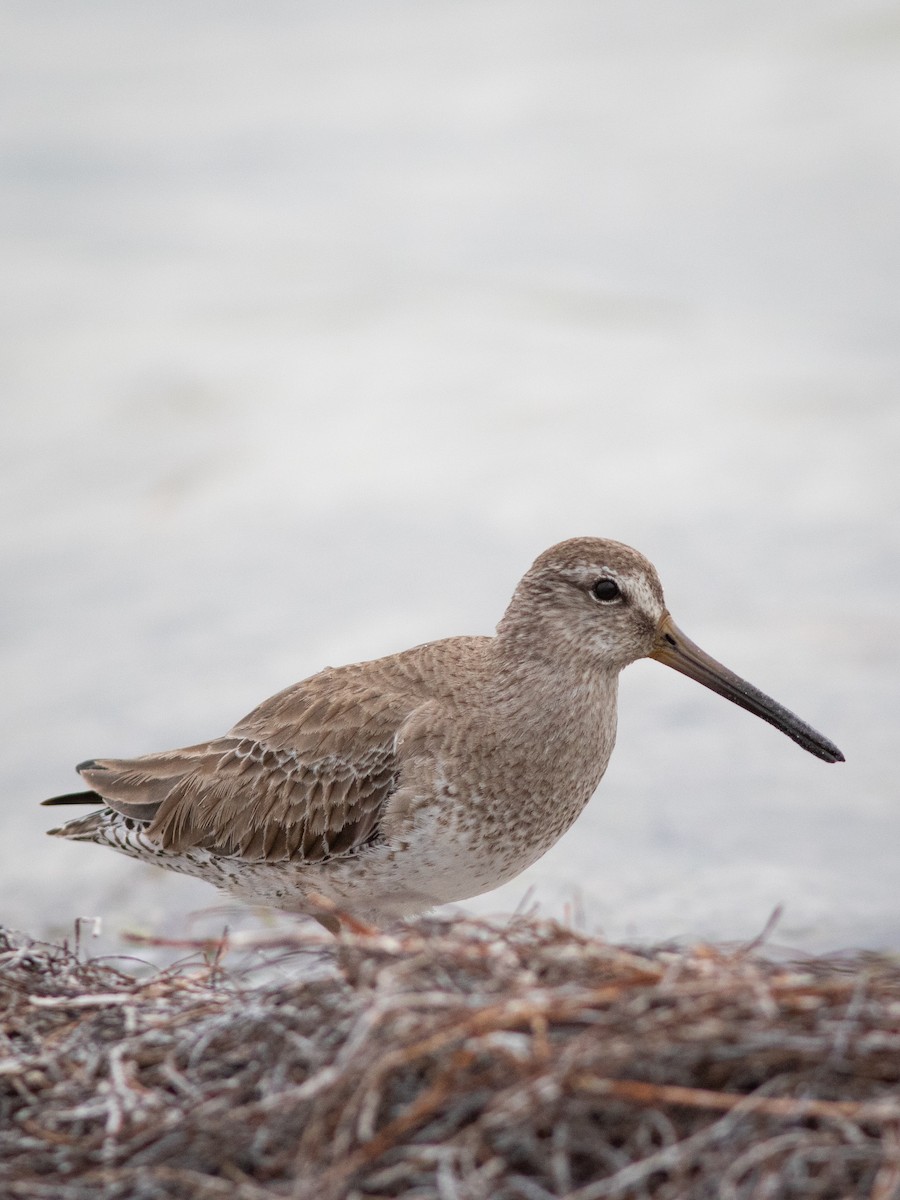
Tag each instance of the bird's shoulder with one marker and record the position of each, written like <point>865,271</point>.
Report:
<point>353,708</point>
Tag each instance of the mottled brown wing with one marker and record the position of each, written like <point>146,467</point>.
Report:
<point>304,777</point>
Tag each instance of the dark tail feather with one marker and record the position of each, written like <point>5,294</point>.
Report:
<point>75,798</point>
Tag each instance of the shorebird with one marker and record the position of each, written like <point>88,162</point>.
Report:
<point>428,776</point>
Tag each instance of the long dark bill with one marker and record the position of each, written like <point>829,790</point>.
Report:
<point>679,652</point>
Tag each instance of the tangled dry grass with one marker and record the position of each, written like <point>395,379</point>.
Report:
<point>454,1061</point>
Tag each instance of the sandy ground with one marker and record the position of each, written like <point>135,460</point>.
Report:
<point>320,322</point>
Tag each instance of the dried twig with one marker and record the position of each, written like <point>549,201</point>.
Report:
<point>448,1060</point>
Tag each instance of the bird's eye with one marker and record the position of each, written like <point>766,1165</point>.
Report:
<point>606,590</point>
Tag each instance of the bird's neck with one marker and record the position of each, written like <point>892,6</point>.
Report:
<point>557,715</point>
<point>552,682</point>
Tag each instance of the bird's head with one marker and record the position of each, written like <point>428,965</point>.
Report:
<point>600,603</point>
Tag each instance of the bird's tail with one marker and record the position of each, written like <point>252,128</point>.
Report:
<point>92,827</point>
<point>106,827</point>
<point>74,798</point>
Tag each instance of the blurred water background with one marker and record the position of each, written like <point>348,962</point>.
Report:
<point>320,321</point>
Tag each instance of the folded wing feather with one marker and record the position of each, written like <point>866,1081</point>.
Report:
<point>303,777</point>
